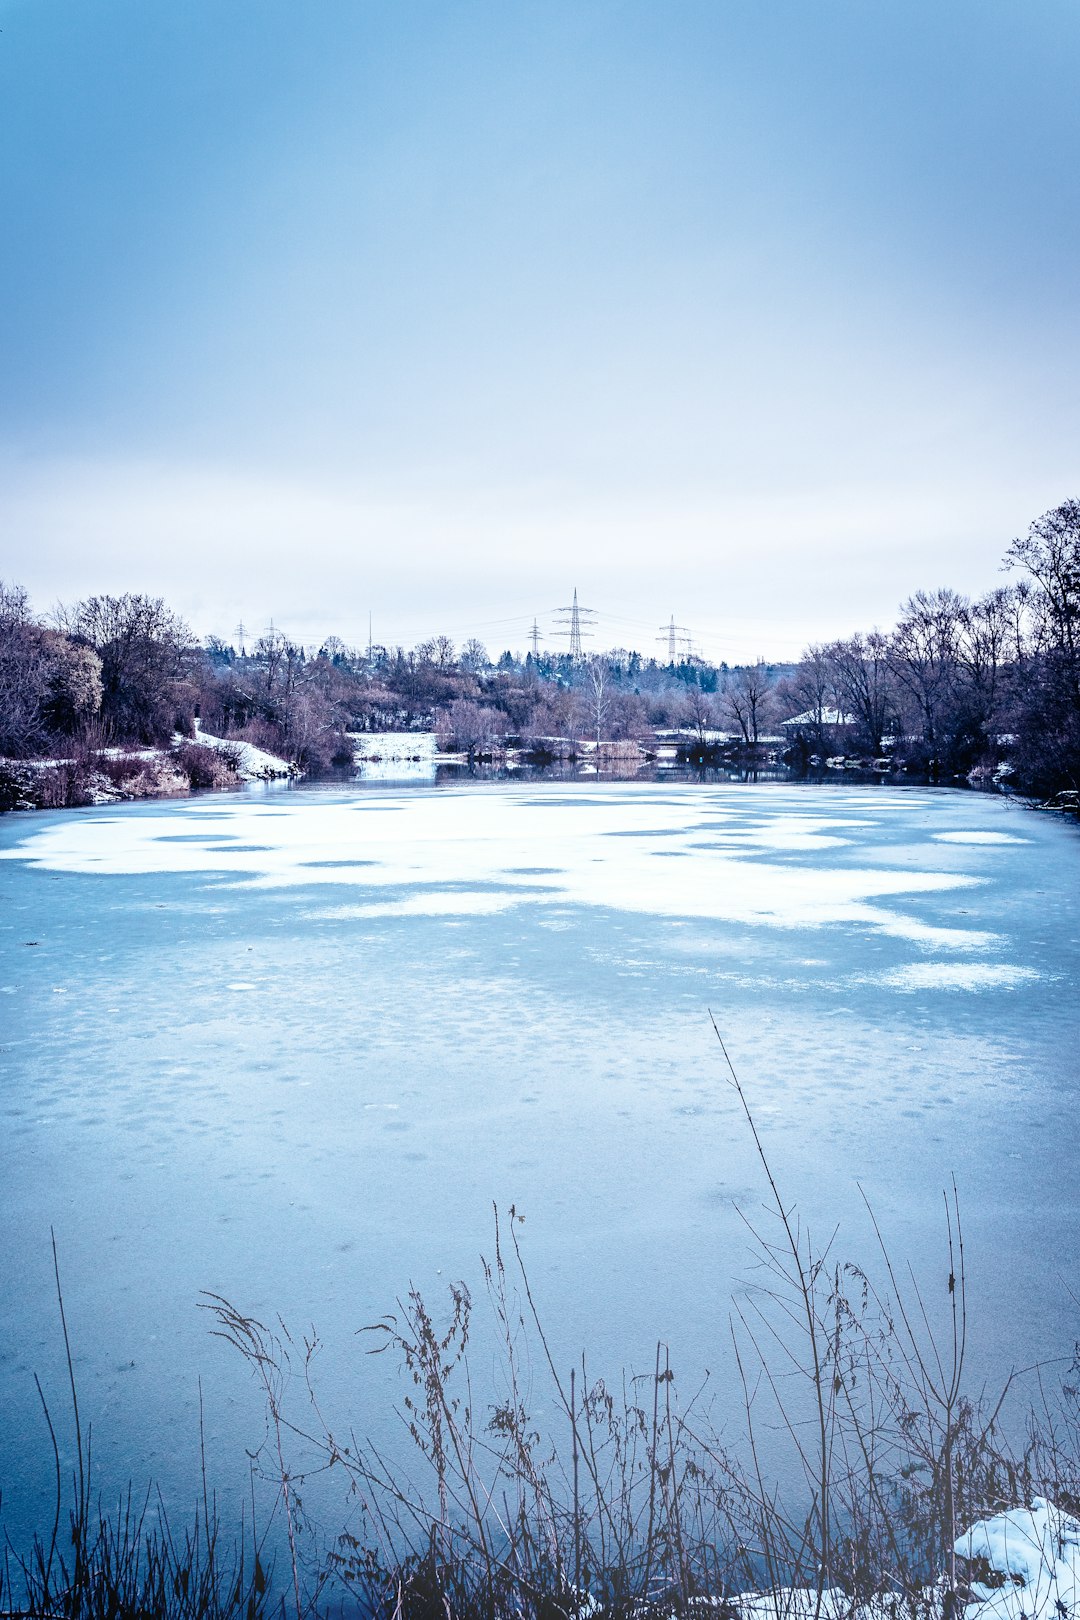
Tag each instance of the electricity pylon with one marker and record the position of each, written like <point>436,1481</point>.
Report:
<point>673,638</point>
<point>573,616</point>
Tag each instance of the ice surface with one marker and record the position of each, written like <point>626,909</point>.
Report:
<point>310,1035</point>
<point>598,850</point>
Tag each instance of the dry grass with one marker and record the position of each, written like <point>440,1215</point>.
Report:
<point>626,1501</point>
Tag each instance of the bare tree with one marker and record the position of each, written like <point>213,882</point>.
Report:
<point>22,674</point>
<point>701,712</point>
<point>597,693</point>
<point>1050,552</point>
<point>474,657</point>
<point>474,728</point>
<point>145,650</point>
<point>747,699</point>
<point>1048,693</point>
<point>923,657</point>
<point>863,684</point>
<point>983,647</point>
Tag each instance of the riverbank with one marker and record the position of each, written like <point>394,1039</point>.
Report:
<point>111,775</point>
<point>204,762</point>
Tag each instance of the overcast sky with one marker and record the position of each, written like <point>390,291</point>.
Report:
<point>760,313</point>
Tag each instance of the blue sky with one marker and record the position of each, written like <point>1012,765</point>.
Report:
<point>759,312</point>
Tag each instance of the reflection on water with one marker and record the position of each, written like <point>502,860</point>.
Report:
<point>290,1045</point>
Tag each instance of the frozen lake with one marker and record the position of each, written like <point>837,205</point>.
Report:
<point>290,1045</point>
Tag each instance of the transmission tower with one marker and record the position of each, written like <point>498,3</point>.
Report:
<point>239,634</point>
<point>573,616</point>
<point>534,637</point>
<point>673,635</point>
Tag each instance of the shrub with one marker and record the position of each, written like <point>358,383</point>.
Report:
<point>141,776</point>
<point>204,767</point>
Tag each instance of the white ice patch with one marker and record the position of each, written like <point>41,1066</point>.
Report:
<point>466,852</point>
<point>931,937</point>
<point>438,904</point>
<point>978,838</point>
<point>955,976</point>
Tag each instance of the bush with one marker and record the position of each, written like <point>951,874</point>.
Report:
<point>141,776</point>
<point>65,785</point>
<point>204,767</point>
<point>16,787</point>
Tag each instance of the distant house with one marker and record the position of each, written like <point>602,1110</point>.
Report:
<point>816,718</point>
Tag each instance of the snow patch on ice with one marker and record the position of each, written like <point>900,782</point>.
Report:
<point>440,904</point>
<point>933,937</point>
<point>955,976</point>
<point>459,852</point>
<point>978,838</point>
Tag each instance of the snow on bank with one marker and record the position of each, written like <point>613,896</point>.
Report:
<point>401,746</point>
<point>399,756</point>
<point>1035,1552</point>
<point>1030,1557</point>
<point>252,764</point>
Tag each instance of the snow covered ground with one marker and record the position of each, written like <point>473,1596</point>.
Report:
<point>399,756</point>
<point>1031,1556</point>
<point>253,764</point>
<point>1034,1552</point>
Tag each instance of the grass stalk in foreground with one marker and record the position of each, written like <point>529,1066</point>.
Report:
<point>861,1458</point>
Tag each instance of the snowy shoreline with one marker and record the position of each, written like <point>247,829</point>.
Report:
<point>115,775</point>
<point>1021,1564</point>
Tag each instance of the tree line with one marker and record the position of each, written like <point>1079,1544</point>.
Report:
<point>956,686</point>
<point>961,685</point>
